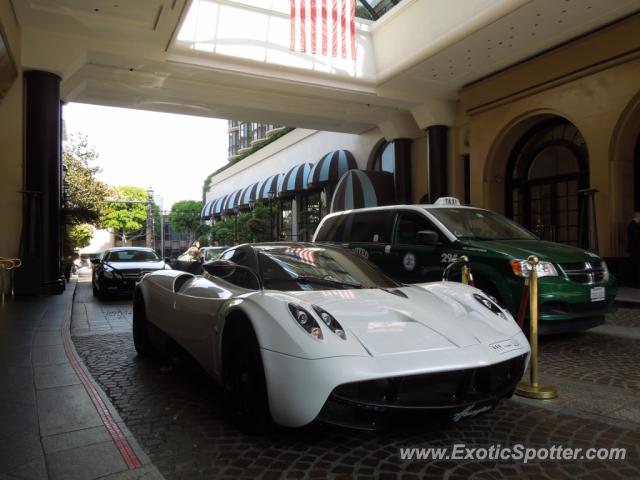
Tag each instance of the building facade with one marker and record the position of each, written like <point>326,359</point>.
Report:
<point>551,142</point>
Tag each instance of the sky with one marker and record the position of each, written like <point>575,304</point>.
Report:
<point>171,153</point>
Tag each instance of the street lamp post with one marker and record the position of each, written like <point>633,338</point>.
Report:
<point>252,204</point>
<point>271,196</point>
<point>150,226</point>
<point>235,225</point>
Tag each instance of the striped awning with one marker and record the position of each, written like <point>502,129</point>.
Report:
<point>331,167</point>
<point>360,189</point>
<point>205,214</point>
<point>216,208</point>
<point>272,184</point>
<point>231,202</point>
<point>248,195</point>
<point>295,180</point>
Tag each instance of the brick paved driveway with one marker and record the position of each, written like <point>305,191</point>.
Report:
<point>174,411</point>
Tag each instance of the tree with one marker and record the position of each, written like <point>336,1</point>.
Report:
<point>126,220</point>
<point>85,194</point>
<point>80,235</point>
<point>185,217</point>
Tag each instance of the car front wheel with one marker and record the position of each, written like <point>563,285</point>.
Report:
<point>141,339</point>
<point>245,390</point>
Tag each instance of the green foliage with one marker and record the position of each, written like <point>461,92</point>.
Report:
<point>185,217</point>
<point>85,194</point>
<point>204,241</point>
<point>127,220</point>
<point>250,226</point>
<point>80,235</point>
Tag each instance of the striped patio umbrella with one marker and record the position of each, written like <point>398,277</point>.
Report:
<point>217,207</point>
<point>360,189</point>
<point>331,167</point>
<point>205,214</point>
<point>249,194</point>
<point>295,180</point>
<point>231,202</point>
<point>272,184</point>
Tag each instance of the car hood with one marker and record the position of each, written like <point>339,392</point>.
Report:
<point>522,249</point>
<point>386,323</point>
<point>137,265</point>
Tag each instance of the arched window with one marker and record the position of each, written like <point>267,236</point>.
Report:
<point>547,168</point>
<point>384,159</point>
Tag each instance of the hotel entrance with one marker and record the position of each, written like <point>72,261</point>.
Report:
<point>546,170</point>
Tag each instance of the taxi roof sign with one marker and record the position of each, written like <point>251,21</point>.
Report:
<point>447,201</point>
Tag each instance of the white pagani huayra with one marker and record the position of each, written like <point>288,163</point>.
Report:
<point>297,332</point>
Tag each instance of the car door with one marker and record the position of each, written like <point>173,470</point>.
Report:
<point>409,261</point>
<point>196,304</point>
<point>369,235</point>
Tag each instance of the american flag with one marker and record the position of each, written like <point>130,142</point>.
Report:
<point>324,27</point>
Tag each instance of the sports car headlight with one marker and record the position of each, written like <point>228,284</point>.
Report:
<point>330,322</point>
<point>521,268</point>
<point>107,272</point>
<point>306,321</point>
<point>490,304</point>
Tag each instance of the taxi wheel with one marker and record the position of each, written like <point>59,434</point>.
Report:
<point>245,390</point>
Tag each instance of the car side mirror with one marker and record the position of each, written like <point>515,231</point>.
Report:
<point>95,261</point>
<point>233,273</point>
<point>427,237</point>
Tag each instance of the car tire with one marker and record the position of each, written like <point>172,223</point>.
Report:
<point>243,379</point>
<point>95,290</point>
<point>140,327</point>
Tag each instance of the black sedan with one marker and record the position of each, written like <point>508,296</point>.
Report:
<point>117,270</point>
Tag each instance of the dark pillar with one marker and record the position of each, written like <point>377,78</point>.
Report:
<point>402,175</point>
<point>438,139</point>
<point>41,234</point>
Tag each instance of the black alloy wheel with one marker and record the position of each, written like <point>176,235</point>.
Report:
<point>245,390</point>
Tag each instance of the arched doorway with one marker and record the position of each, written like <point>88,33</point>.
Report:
<point>546,169</point>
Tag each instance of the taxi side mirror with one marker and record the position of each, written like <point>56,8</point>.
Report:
<point>95,261</point>
<point>427,237</point>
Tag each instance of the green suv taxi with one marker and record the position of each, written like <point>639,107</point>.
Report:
<point>414,243</point>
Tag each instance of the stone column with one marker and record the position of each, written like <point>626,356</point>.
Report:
<point>402,174</point>
<point>438,138</point>
<point>41,245</point>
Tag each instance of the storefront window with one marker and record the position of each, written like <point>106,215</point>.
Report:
<point>310,215</point>
<point>286,220</point>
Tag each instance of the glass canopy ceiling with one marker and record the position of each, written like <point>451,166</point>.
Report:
<point>374,9</point>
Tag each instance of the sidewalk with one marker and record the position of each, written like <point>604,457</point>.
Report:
<point>628,295</point>
<point>56,423</point>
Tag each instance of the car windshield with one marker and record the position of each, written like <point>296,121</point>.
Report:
<point>476,224</point>
<point>131,256</point>
<point>212,253</point>
<point>316,268</point>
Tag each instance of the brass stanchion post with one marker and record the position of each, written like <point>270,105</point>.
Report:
<point>466,271</point>
<point>534,389</point>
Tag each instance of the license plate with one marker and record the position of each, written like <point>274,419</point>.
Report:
<point>505,346</point>
<point>597,294</point>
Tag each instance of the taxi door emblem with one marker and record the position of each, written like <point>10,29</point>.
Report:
<point>409,261</point>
